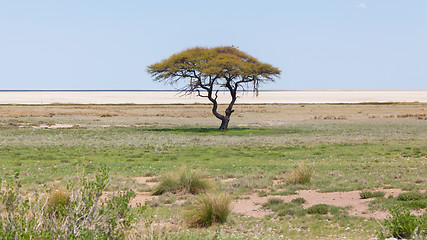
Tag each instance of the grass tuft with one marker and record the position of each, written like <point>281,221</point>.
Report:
<point>301,175</point>
<point>298,201</point>
<point>318,209</point>
<point>183,181</point>
<point>210,209</point>
<point>367,194</point>
<point>59,196</point>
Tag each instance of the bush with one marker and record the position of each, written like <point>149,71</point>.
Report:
<point>76,213</point>
<point>301,175</point>
<point>182,181</point>
<point>402,224</point>
<point>210,209</point>
<point>410,196</point>
<point>298,201</point>
<point>318,209</point>
<point>367,194</point>
<point>416,204</point>
<point>286,210</point>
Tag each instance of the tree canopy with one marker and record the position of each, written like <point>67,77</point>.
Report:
<point>209,70</point>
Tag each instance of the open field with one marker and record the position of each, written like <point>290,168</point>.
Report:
<point>349,148</point>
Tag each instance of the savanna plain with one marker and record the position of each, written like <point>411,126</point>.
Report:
<point>286,171</point>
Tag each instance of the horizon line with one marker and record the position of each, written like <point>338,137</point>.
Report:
<point>177,90</point>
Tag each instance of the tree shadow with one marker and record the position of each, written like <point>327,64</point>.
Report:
<point>201,130</point>
<point>239,131</point>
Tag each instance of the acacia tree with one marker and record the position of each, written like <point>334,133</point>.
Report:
<point>206,71</point>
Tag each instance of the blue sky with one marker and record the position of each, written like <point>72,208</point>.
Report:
<point>103,44</point>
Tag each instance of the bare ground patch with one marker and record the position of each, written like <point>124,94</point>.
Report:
<point>250,205</point>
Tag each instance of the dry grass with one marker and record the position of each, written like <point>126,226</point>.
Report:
<point>301,175</point>
<point>58,196</point>
<point>211,208</point>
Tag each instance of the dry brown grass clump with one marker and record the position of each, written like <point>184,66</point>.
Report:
<point>211,208</point>
<point>301,175</point>
<point>58,196</point>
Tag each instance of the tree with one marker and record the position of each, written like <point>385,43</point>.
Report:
<point>206,71</point>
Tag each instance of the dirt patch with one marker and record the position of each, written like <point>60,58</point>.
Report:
<point>141,198</point>
<point>251,205</point>
<point>146,180</point>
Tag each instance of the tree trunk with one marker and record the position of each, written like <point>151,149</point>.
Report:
<point>226,119</point>
<point>224,123</point>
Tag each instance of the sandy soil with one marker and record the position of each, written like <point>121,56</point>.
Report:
<point>172,97</point>
<point>359,207</point>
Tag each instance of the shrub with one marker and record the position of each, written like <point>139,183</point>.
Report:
<point>417,204</point>
<point>286,210</point>
<point>298,201</point>
<point>410,196</point>
<point>367,194</point>
<point>76,213</point>
<point>402,224</point>
<point>318,209</point>
<point>182,181</point>
<point>301,175</point>
<point>210,209</point>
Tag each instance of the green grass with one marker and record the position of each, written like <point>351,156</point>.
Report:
<point>355,166</point>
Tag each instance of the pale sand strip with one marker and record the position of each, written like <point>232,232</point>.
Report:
<point>168,97</point>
